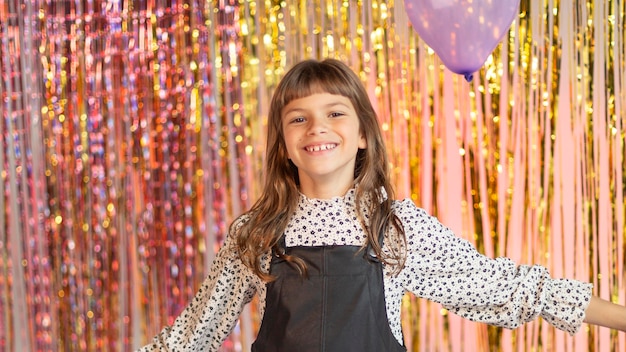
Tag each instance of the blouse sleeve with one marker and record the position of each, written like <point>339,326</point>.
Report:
<point>212,314</point>
<point>449,270</point>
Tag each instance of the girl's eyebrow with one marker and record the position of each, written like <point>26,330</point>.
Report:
<point>327,105</point>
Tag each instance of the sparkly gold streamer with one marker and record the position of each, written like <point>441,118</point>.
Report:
<point>131,132</point>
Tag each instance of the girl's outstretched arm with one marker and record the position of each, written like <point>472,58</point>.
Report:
<point>449,270</point>
<point>213,312</point>
<point>604,313</point>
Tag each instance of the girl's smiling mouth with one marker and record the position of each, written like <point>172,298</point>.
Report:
<point>320,147</point>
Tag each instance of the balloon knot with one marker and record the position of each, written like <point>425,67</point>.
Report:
<point>468,77</point>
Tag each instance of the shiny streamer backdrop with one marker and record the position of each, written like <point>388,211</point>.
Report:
<point>132,133</point>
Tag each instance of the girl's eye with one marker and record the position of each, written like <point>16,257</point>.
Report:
<point>297,119</point>
<point>335,114</point>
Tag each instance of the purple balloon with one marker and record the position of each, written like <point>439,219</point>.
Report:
<point>462,32</point>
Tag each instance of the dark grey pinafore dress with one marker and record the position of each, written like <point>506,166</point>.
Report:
<point>338,307</point>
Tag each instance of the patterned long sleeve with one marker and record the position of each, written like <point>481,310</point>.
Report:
<point>447,269</point>
<point>214,311</point>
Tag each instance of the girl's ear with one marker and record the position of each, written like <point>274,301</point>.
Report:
<point>362,141</point>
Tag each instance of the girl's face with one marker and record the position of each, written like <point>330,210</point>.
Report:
<point>322,136</point>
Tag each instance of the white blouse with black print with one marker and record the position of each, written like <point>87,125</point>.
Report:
<point>439,266</point>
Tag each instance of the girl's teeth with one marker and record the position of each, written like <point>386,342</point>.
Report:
<point>317,148</point>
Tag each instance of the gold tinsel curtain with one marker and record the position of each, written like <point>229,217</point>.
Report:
<point>132,133</point>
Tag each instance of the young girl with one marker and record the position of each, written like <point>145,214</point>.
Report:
<point>331,253</point>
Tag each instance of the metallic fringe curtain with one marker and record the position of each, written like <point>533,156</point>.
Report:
<point>132,133</point>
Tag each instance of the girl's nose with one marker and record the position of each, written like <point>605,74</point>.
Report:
<point>317,125</point>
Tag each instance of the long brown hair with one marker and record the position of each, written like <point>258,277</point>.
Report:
<point>268,217</point>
